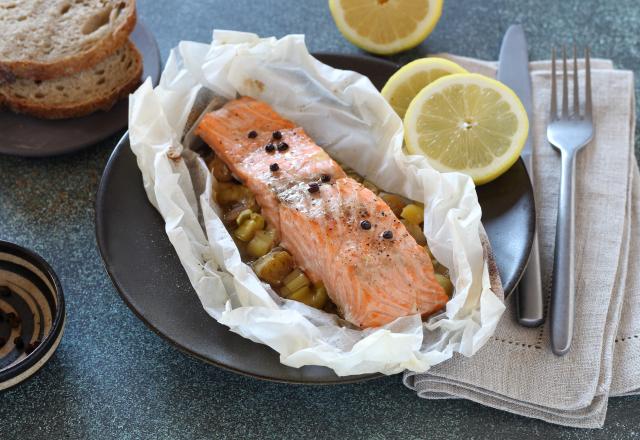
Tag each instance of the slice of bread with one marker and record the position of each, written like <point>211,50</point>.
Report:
<point>97,88</point>
<point>44,39</point>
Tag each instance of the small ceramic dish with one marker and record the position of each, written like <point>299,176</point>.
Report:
<point>32,313</point>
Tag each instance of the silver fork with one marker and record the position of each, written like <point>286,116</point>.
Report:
<point>568,132</point>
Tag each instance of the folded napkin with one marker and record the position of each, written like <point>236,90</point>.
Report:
<point>516,371</point>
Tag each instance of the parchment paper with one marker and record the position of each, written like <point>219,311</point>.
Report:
<point>344,113</point>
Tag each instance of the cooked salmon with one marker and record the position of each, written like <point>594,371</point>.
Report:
<point>338,231</point>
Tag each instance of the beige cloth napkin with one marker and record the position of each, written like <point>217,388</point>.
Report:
<point>516,370</point>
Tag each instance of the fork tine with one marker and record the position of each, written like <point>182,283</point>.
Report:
<point>576,93</point>
<point>587,68</point>
<point>554,94</point>
<point>565,84</point>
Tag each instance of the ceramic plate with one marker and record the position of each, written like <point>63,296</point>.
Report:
<point>146,271</point>
<point>24,135</point>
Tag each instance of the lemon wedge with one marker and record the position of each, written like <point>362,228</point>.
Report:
<point>467,123</point>
<point>385,27</point>
<point>405,84</point>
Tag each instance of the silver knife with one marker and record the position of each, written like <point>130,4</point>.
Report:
<point>513,70</point>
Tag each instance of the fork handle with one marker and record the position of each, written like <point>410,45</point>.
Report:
<point>563,285</point>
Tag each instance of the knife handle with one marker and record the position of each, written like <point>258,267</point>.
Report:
<point>529,296</point>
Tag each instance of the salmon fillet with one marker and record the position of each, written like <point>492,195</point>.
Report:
<point>372,279</point>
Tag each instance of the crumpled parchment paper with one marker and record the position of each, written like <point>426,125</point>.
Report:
<point>344,113</point>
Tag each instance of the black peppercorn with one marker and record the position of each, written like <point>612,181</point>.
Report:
<point>387,235</point>
<point>277,135</point>
<point>274,167</point>
<point>270,148</point>
<point>325,178</point>
<point>283,146</point>
<point>252,134</point>
<point>314,187</point>
<point>365,224</point>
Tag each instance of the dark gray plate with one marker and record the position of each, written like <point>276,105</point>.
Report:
<point>24,135</point>
<point>146,271</point>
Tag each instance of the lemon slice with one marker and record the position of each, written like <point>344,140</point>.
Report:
<point>405,84</point>
<point>385,27</point>
<point>467,123</point>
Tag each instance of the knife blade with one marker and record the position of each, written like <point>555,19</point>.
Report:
<point>513,70</point>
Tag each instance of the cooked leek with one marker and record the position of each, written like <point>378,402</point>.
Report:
<point>296,280</point>
<point>370,186</point>
<point>261,243</point>
<point>229,193</point>
<point>414,213</point>
<point>395,202</point>
<point>415,231</point>
<point>273,267</point>
<point>445,283</point>
<point>221,171</point>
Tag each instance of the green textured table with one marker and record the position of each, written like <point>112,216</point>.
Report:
<point>113,378</point>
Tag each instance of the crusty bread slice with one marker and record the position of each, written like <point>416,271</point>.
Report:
<point>97,88</point>
<point>44,39</point>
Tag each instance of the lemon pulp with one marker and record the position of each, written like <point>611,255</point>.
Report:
<point>467,123</point>
<point>385,26</point>
<point>407,82</point>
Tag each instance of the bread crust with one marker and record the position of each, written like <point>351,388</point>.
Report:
<point>76,62</point>
<point>77,109</point>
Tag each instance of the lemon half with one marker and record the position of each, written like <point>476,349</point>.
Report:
<point>467,123</point>
<point>405,84</point>
<point>385,27</point>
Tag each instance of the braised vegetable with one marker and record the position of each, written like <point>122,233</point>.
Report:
<point>355,176</point>
<point>445,283</point>
<point>230,217</point>
<point>295,280</point>
<point>303,295</point>
<point>369,185</point>
<point>415,231</point>
<point>261,243</point>
<point>221,171</point>
<point>426,248</point>
<point>320,296</point>
<point>313,297</point>
<point>246,230</point>
<point>258,219</point>
<point>252,223</point>
<point>395,202</point>
<point>414,213</point>
<point>273,267</point>
<point>243,216</point>
<point>230,193</point>
<point>439,268</point>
